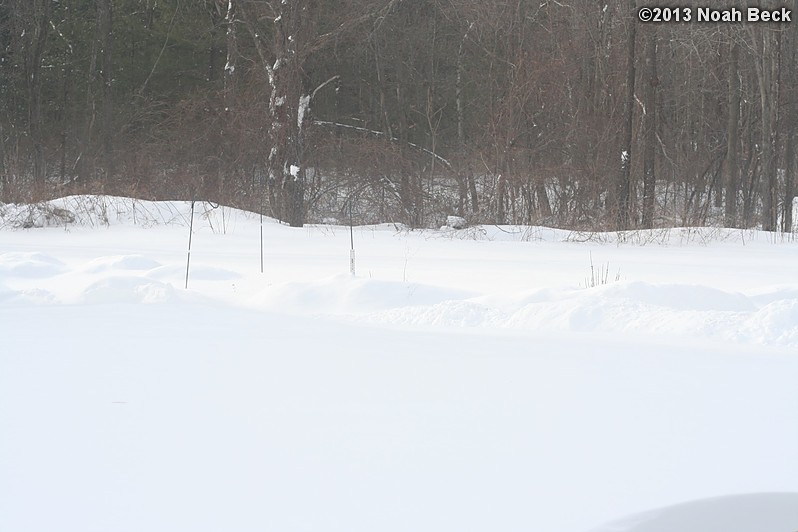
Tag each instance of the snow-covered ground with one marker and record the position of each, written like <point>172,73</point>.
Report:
<point>462,380</point>
<point>733,513</point>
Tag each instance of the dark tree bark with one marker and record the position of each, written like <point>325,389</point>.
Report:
<point>40,26</point>
<point>650,129</point>
<point>105,20</point>
<point>65,93</point>
<point>625,178</point>
<point>791,124</point>
<point>766,64</point>
<point>82,165</point>
<point>789,174</point>
<point>732,136</point>
<point>464,179</point>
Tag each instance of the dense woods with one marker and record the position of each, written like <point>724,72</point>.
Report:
<point>571,114</point>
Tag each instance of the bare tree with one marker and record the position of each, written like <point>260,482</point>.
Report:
<point>291,36</point>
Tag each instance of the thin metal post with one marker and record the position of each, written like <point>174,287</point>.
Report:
<point>190,232</point>
<point>351,242</point>
<point>261,238</point>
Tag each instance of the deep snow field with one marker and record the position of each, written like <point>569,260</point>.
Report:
<point>462,380</point>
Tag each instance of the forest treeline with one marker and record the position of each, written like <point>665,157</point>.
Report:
<point>568,113</point>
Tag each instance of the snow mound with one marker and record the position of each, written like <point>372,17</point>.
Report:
<point>32,296</point>
<point>677,296</point>
<point>196,273</point>
<point>343,294</point>
<point>30,265</point>
<point>773,294</point>
<point>444,314</point>
<point>755,512</point>
<point>670,310</point>
<point>121,262</point>
<point>128,289</point>
<point>775,323</point>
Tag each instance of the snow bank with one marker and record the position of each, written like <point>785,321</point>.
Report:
<point>638,308</point>
<point>98,211</point>
<point>755,512</point>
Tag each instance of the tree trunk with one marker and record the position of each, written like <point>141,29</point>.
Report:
<point>106,21</point>
<point>501,192</point>
<point>732,136</point>
<point>64,122</point>
<point>462,181</point>
<point>287,107</point>
<point>766,65</point>
<point>789,174</point>
<point>285,169</point>
<point>790,126</point>
<point>85,137</point>
<point>472,190</point>
<point>544,205</point>
<point>231,41</point>
<point>650,129</point>
<point>625,178</point>
<point>40,26</point>
<point>381,87</point>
